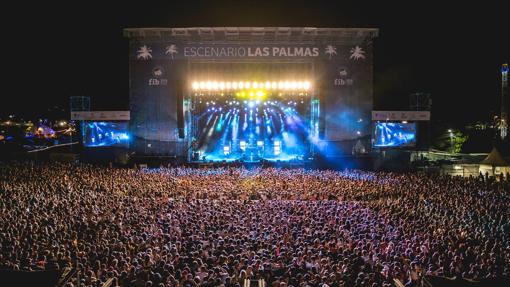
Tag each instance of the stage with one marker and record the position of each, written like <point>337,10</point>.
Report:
<point>250,94</point>
<point>252,121</point>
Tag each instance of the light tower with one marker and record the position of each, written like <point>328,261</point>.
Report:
<point>504,102</point>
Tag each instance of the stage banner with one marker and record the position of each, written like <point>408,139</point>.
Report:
<point>100,116</point>
<point>154,102</point>
<point>400,115</point>
<point>146,51</point>
<point>346,93</point>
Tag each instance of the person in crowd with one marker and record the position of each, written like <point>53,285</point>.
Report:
<point>219,227</point>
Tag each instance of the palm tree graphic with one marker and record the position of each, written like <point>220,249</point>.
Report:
<point>144,53</point>
<point>172,49</point>
<point>357,53</point>
<point>330,50</point>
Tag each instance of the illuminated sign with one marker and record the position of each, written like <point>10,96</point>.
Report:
<point>243,51</point>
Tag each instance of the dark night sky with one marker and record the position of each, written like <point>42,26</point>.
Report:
<point>52,52</point>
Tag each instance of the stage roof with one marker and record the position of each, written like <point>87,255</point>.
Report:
<point>254,34</point>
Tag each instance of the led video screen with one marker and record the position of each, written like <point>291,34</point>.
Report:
<point>96,134</point>
<point>394,134</point>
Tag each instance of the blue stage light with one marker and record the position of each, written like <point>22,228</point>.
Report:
<point>265,122</point>
<point>226,150</point>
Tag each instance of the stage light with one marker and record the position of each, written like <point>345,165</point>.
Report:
<point>209,85</point>
<point>222,85</point>
<point>195,85</point>
<point>260,94</point>
<point>274,85</point>
<point>251,104</point>
<point>281,85</point>
<point>260,143</point>
<point>123,136</point>
<point>293,85</point>
<point>255,85</point>
<point>247,85</point>
<point>226,150</point>
<point>234,85</point>
<point>202,85</point>
<point>268,85</point>
<point>299,85</point>
<point>242,145</point>
<point>277,147</point>
<point>214,85</point>
<point>286,85</point>
<point>228,85</point>
<point>241,85</point>
<point>306,85</point>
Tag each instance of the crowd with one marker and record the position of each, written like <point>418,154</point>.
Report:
<point>218,227</point>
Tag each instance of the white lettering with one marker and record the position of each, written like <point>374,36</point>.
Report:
<point>223,52</point>
<point>257,51</point>
<point>187,52</point>
<point>200,51</point>
<point>250,54</point>
<point>241,52</point>
<point>275,51</point>
<point>230,52</point>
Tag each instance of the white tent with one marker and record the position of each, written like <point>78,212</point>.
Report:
<point>494,164</point>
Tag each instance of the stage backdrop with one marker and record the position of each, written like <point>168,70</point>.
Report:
<point>341,68</point>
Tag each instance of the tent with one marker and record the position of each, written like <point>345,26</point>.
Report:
<point>494,164</point>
